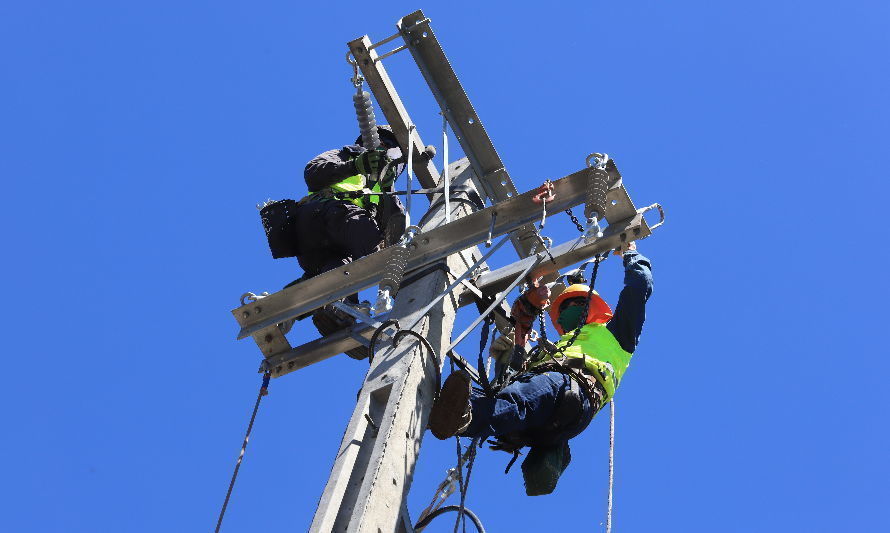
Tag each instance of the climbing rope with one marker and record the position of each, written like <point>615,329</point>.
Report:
<point>480,365</point>
<point>446,488</point>
<point>465,483</point>
<point>264,390</point>
<point>446,177</point>
<point>611,463</point>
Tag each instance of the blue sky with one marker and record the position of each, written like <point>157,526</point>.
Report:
<point>135,140</point>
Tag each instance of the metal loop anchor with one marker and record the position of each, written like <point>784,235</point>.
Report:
<point>601,160</point>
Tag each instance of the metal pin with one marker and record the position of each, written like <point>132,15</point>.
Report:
<point>494,217</point>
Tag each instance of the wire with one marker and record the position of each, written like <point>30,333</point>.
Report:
<point>263,391</point>
<point>448,508</point>
<point>436,360</point>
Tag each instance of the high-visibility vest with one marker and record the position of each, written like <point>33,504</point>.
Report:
<point>355,183</point>
<point>601,353</point>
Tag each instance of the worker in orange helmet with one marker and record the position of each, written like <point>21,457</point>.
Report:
<point>557,389</point>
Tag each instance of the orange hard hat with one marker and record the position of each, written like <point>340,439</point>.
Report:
<point>598,310</point>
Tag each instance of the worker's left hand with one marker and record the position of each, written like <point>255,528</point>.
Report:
<point>371,162</point>
<point>502,349</point>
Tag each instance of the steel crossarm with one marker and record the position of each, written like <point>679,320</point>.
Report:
<point>491,175</point>
<point>391,105</point>
<point>497,281</point>
<point>426,248</point>
<point>567,254</point>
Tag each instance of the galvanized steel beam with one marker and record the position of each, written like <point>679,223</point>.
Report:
<point>391,105</point>
<point>462,117</point>
<point>426,248</point>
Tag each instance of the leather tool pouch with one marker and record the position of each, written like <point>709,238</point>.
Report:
<point>280,222</point>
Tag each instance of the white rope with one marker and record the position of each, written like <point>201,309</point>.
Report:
<point>410,146</point>
<point>611,463</point>
<point>447,180</point>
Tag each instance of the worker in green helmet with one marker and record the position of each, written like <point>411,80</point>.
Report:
<point>556,392</point>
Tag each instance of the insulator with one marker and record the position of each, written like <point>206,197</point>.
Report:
<point>392,274</point>
<point>367,125</point>
<point>595,206</point>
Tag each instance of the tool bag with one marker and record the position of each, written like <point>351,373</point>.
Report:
<point>280,222</point>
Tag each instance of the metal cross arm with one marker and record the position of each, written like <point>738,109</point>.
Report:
<point>622,232</point>
<point>492,176</point>
<point>426,248</point>
<point>391,105</point>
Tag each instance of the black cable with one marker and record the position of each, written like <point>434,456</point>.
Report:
<point>448,508</point>
<point>376,335</point>
<point>436,360</point>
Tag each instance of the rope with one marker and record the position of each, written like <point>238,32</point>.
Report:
<point>611,463</point>
<point>263,391</point>
<point>447,178</point>
<point>465,484</point>
<point>483,371</point>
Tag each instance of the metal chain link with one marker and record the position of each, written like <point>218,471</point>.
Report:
<point>575,220</point>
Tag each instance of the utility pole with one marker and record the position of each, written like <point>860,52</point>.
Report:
<point>375,463</point>
<point>443,270</point>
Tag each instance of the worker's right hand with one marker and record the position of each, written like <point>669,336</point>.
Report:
<point>632,245</point>
<point>371,162</point>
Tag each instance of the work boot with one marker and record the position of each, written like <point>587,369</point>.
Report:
<point>451,414</point>
<point>329,320</point>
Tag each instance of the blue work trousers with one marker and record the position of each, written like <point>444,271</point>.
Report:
<point>528,403</point>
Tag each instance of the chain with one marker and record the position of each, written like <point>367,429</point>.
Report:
<point>543,325</point>
<point>575,220</point>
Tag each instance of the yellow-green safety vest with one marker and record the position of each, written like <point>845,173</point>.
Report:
<point>601,353</point>
<point>354,184</point>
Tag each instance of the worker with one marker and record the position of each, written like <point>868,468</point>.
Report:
<point>339,221</point>
<point>557,393</point>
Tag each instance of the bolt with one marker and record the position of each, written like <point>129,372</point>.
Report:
<point>245,314</point>
<point>269,337</point>
<point>258,310</point>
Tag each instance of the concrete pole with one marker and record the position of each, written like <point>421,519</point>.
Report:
<point>372,473</point>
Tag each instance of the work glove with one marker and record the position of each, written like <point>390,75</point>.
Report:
<point>371,162</point>
<point>502,349</point>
